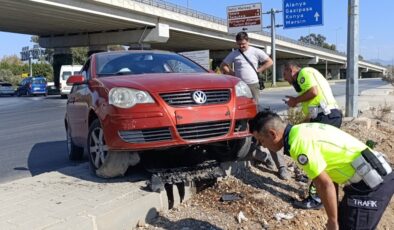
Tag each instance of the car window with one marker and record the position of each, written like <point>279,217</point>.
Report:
<point>39,81</point>
<point>66,75</point>
<point>109,64</point>
<point>5,84</point>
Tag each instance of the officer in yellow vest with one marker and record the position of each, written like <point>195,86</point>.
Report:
<point>329,155</point>
<point>318,105</point>
<point>314,93</point>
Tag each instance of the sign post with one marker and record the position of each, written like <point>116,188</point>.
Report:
<point>302,13</point>
<point>244,18</point>
<point>28,54</point>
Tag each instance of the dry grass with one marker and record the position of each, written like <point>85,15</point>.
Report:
<point>381,112</point>
<point>295,116</point>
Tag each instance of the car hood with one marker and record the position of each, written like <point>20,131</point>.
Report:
<point>170,82</point>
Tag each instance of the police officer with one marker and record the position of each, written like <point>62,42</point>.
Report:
<point>318,105</point>
<point>329,155</point>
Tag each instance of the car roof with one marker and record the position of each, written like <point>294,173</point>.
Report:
<point>134,51</point>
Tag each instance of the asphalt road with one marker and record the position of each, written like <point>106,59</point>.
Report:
<point>33,138</point>
<point>273,97</point>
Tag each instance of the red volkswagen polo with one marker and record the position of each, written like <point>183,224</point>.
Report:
<point>125,104</point>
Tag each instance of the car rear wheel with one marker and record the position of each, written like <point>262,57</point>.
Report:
<point>104,163</point>
<point>75,153</point>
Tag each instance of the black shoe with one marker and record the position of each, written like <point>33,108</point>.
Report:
<point>308,203</point>
<point>283,174</point>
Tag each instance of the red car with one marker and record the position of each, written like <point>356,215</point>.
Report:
<point>125,104</point>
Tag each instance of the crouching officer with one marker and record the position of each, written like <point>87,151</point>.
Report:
<point>329,155</point>
<point>318,105</point>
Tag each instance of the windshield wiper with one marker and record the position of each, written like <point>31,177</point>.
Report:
<point>115,74</point>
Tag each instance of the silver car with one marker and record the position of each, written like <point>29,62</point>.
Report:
<point>6,89</point>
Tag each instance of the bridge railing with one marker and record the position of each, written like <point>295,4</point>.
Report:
<point>200,15</point>
<point>183,10</point>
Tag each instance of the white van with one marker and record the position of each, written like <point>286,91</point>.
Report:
<point>65,72</point>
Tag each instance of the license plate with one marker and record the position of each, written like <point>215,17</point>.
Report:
<point>186,116</point>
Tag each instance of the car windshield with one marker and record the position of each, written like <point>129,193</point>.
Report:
<point>140,63</point>
<point>39,81</point>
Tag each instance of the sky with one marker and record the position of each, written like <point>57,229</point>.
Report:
<point>376,20</point>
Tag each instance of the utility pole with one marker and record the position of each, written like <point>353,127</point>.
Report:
<point>30,64</point>
<point>352,59</point>
<point>273,45</point>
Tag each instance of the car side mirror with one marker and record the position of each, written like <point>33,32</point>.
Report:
<point>76,80</point>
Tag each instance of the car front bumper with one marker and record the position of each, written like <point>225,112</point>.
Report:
<point>161,128</point>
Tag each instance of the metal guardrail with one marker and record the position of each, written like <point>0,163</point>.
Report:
<point>197,14</point>
<point>183,10</point>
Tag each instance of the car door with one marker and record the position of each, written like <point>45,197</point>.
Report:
<point>78,109</point>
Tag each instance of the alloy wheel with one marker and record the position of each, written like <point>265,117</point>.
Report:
<point>98,150</point>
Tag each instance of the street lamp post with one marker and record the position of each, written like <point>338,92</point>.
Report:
<point>336,36</point>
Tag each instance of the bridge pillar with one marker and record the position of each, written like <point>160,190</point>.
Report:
<point>335,73</point>
<point>97,49</point>
<point>62,56</point>
<point>279,72</point>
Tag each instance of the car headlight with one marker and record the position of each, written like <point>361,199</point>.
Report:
<point>242,90</point>
<point>127,98</point>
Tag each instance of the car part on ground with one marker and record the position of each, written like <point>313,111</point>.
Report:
<point>204,171</point>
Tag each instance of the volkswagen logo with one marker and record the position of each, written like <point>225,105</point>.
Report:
<point>199,97</point>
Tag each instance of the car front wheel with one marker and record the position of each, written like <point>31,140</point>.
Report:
<point>104,163</point>
<point>232,150</point>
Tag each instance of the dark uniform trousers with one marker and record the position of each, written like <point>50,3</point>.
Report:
<point>334,118</point>
<point>362,207</point>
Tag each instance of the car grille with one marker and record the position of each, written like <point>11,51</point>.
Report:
<point>203,130</point>
<point>186,98</point>
<point>146,135</point>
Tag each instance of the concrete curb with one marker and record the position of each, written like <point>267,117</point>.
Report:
<point>73,199</point>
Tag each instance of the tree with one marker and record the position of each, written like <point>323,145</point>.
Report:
<point>80,55</point>
<point>317,40</point>
<point>116,48</point>
<point>43,69</point>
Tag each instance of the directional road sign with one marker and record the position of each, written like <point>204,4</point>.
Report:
<point>300,13</point>
<point>244,18</point>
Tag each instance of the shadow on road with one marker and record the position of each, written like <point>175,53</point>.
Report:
<point>48,156</point>
<point>52,156</point>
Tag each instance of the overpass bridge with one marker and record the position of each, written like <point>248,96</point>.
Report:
<point>62,24</point>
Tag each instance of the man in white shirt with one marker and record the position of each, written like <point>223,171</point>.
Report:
<point>246,61</point>
<point>243,64</point>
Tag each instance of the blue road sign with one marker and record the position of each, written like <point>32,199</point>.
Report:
<point>300,13</point>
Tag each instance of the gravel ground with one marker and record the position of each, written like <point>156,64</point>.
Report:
<point>266,201</point>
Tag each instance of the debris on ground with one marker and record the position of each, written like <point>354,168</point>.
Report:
<point>266,198</point>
